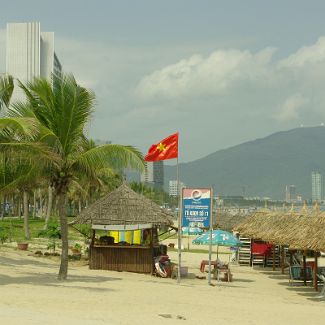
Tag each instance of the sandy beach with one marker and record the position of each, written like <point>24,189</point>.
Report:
<point>30,294</point>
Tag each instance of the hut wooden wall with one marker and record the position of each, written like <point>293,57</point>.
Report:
<point>121,258</point>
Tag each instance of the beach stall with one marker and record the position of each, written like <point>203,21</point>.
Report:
<point>125,231</point>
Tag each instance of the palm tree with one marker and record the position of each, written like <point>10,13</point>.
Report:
<point>63,108</point>
<point>18,148</point>
<point>6,90</point>
<point>17,145</point>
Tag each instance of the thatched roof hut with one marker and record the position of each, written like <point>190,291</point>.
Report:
<point>303,230</point>
<point>123,206</point>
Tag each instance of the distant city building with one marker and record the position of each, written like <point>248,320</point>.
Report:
<point>29,54</point>
<point>290,194</point>
<point>299,198</point>
<point>316,186</point>
<point>154,174</point>
<point>173,188</point>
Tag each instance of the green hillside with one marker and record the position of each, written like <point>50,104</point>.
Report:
<point>262,167</point>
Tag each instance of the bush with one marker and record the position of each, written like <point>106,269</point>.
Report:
<point>52,231</point>
<point>4,235</point>
<point>84,229</point>
<point>77,247</point>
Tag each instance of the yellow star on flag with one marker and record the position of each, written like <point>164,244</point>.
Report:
<point>161,147</point>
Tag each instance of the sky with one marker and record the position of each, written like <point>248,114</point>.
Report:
<point>218,72</point>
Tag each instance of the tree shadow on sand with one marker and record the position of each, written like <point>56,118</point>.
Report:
<point>6,261</point>
<point>40,278</point>
<point>50,280</point>
<point>302,290</point>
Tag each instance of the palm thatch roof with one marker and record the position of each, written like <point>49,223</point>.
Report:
<point>308,232</point>
<point>252,225</point>
<point>123,206</point>
<point>302,230</point>
<point>227,221</point>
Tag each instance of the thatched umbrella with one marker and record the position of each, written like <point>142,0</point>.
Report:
<point>251,226</point>
<point>228,221</point>
<point>268,226</point>
<point>307,232</point>
<point>272,227</point>
<point>123,206</point>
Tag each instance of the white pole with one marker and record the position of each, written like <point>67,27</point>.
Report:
<point>179,237</point>
<point>210,242</point>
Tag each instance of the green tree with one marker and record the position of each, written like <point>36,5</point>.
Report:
<point>62,109</point>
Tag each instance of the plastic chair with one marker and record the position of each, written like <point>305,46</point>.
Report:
<point>322,293</point>
<point>297,273</point>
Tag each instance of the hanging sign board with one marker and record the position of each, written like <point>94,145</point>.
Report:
<point>196,207</point>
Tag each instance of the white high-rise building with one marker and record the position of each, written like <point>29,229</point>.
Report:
<point>317,187</point>
<point>290,193</point>
<point>173,188</point>
<point>29,54</point>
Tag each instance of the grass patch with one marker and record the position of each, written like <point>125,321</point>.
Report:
<point>14,229</point>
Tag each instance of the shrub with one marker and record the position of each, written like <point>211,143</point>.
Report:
<point>4,235</point>
<point>52,231</point>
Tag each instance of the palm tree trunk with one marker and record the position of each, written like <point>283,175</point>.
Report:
<point>26,223</point>
<point>49,206</point>
<point>34,206</point>
<point>40,211</point>
<point>73,206</point>
<point>3,204</point>
<point>19,207</point>
<point>63,273</point>
<point>11,207</point>
<point>79,206</point>
<point>56,206</point>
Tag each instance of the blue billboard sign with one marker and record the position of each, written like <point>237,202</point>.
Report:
<point>196,207</point>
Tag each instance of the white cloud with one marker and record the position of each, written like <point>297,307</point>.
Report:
<point>306,55</point>
<point>199,76</point>
<point>290,108</point>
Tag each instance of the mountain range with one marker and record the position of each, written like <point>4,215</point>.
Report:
<point>262,167</point>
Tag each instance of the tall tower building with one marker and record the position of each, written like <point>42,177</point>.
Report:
<point>154,174</point>
<point>316,186</point>
<point>29,54</point>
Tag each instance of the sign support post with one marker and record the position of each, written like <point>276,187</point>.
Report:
<point>197,212</point>
<point>210,241</point>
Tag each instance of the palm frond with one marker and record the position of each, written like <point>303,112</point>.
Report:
<point>32,150</point>
<point>6,90</point>
<point>109,155</point>
<point>23,178</point>
<point>23,126</point>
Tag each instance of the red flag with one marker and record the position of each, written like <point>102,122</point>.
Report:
<point>165,149</point>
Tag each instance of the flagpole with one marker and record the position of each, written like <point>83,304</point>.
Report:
<point>179,237</point>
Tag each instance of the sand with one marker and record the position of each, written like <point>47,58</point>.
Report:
<point>30,294</point>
